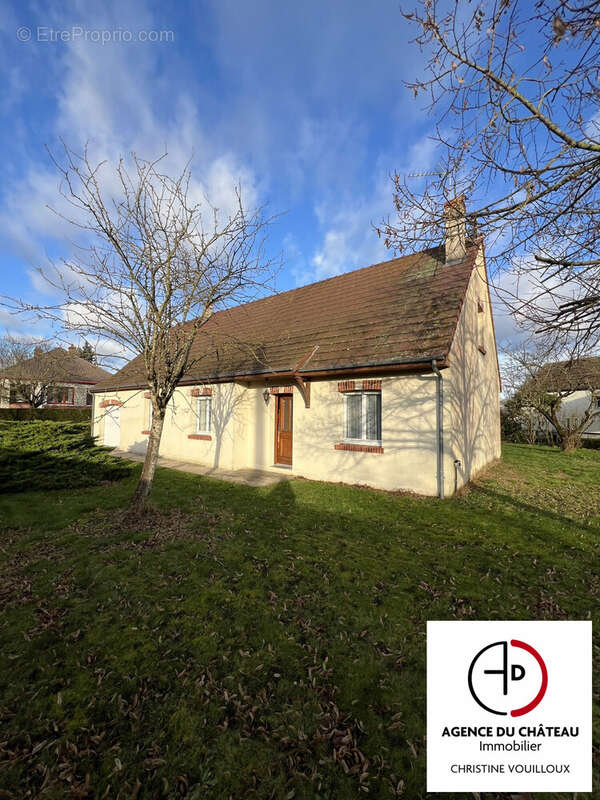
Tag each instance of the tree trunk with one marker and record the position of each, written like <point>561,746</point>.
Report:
<point>142,490</point>
<point>570,441</point>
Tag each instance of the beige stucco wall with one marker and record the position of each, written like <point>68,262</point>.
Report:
<point>244,425</point>
<point>408,435</point>
<point>229,413</point>
<point>472,388</point>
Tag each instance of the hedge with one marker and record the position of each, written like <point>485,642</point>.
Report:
<point>591,444</point>
<point>41,455</point>
<point>52,414</point>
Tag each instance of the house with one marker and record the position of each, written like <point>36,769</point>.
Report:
<point>385,376</point>
<point>56,378</point>
<point>577,383</point>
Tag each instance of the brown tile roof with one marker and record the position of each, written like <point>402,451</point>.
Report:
<point>398,311</point>
<point>60,365</point>
<point>570,376</point>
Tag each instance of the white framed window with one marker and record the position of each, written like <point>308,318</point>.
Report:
<point>203,414</point>
<point>362,417</point>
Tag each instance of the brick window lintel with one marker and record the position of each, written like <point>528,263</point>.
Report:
<point>371,385</point>
<point>368,384</point>
<point>359,448</point>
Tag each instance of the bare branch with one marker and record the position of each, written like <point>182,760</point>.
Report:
<point>151,267</point>
<point>513,86</point>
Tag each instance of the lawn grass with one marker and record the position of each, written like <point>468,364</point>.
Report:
<point>270,643</point>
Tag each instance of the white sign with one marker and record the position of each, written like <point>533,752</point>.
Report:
<point>509,706</point>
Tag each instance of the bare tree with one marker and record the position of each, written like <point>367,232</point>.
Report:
<point>542,386</point>
<point>28,370</point>
<point>154,265</point>
<point>513,87</point>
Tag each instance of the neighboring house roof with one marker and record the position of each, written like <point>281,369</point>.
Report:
<point>581,374</point>
<point>57,365</point>
<point>400,311</point>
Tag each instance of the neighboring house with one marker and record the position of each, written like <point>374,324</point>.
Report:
<point>385,376</point>
<point>60,377</point>
<point>579,384</point>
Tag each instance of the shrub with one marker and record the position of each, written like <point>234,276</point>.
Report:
<point>53,455</point>
<point>55,414</point>
<point>591,444</point>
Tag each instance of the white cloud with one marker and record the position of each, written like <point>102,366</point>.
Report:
<point>115,98</point>
<point>349,240</point>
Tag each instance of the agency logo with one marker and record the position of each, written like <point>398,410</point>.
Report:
<point>509,706</point>
<point>498,681</point>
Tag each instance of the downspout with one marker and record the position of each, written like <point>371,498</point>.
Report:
<point>440,428</point>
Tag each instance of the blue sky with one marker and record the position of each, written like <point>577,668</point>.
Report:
<point>301,103</point>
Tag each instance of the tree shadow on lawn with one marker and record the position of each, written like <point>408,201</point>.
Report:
<point>485,515</point>
<point>539,512</point>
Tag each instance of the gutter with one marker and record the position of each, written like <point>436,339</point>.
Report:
<point>390,367</point>
<point>440,427</point>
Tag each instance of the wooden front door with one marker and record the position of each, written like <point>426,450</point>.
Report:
<point>283,429</point>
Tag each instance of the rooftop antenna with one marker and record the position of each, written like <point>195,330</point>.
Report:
<point>432,173</point>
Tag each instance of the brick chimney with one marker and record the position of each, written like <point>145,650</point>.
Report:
<point>455,216</point>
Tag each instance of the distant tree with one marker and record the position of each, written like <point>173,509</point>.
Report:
<point>520,422</point>
<point>512,86</point>
<point>158,262</point>
<point>87,352</point>
<point>513,421</point>
<point>13,350</point>
<point>540,386</point>
<point>28,370</point>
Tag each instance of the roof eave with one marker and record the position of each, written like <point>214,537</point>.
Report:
<point>390,367</point>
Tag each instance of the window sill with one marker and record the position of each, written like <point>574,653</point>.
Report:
<point>203,436</point>
<point>359,448</point>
